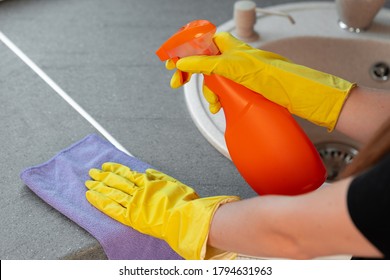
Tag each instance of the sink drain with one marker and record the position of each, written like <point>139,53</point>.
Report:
<point>335,156</point>
<point>380,71</point>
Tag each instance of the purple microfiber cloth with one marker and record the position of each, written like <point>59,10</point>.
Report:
<point>60,183</point>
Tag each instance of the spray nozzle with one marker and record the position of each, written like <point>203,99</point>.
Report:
<point>194,38</point>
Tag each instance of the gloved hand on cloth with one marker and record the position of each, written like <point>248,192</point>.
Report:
<point>158,205</point>
<point>305,92</point>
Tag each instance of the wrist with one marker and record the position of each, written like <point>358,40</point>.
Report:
<point>189,226</point>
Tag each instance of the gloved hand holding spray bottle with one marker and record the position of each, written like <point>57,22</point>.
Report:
<point>268,147</point>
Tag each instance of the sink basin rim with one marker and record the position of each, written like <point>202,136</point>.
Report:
<point>211,126</point>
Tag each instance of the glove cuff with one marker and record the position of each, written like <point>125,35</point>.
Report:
<point>211,253</point>
<point>307,93</point>
<point>334,113</point>
<point>190,226</point>
<point>319,98</point>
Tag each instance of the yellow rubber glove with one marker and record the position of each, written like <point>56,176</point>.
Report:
<point>180,78</point>
<point>158,205</point>
<point>305,92</point>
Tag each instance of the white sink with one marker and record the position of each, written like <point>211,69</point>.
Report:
<point>315,41</point>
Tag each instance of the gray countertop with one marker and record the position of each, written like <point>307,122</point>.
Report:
<point>102,54</point>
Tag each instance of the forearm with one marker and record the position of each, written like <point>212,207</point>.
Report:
<point>254,227</point>
<point>298,227</point>
<point>363,113</point>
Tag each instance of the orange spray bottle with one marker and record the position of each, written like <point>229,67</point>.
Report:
<point>267,146</point>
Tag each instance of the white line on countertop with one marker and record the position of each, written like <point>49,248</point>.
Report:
<point>61,92</point>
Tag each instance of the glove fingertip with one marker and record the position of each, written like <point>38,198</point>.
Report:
<point>114,167</point>
<point>175,84</point>
<point>107,165</point>
<point>214,108</point>
<point>93,172</point>
<point>97,199</point>
<point>91,196</point>
<point>151,172</point>
<point>90,184</point>
<point>210,96</point>
<point>170,65</point>
<point>176,80</point>
<point>154,171</point>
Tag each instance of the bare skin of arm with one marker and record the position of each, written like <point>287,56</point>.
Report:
<point>363,113</point>
<point>297,227</point>
<point>310,225</point>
